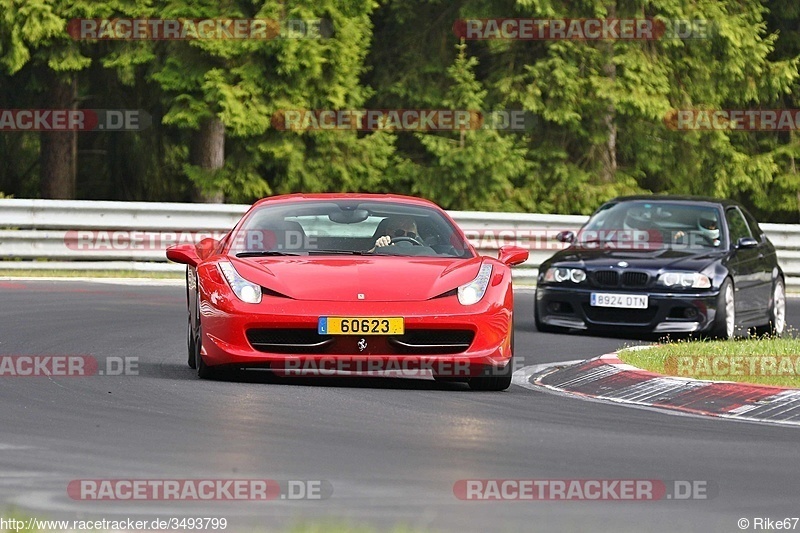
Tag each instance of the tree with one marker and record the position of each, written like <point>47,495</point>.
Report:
<point>476,168</point>
<point>33,35</point>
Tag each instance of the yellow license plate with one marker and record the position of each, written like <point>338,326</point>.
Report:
<point>361,325</point>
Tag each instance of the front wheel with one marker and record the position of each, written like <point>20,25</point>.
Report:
<point>495,381</point>
<point>203,370</point>
<point>189,331</point>
<point>191,346</point>
<point>777,312</point>
<point>725,320</point>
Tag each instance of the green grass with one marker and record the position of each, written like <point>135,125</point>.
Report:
<point>764,361</point>
<point>42,273</point>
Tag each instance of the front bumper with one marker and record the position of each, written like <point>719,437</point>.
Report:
<point>225,326</point>
<point>667,312</point>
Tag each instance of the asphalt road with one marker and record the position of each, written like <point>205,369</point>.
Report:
<point>391,449</point>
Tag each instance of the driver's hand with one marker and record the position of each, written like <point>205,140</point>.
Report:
<point>383,241</point>
<point>678,235</point>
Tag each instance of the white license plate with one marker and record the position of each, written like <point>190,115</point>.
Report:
<point>621,301</point>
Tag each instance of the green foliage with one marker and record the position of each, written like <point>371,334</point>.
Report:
<point>475,168</point>
<point>600,106</point>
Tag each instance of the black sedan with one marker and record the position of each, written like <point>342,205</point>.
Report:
<point>664,264</point>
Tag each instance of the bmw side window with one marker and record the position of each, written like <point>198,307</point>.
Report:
<point>737,225</point>
<point>755,229</point>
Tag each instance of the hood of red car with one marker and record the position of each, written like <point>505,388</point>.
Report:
<point>390,279</point>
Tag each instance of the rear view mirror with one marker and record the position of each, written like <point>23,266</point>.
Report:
<point>349,216</point>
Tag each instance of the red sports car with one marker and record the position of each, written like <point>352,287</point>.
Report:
<point>333,284</point>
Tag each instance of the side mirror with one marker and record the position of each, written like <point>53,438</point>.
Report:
<point>183,253</point>
<point>565,236</point>
<point>512,255</point>
<point>206,247</point>
<point>746,242</point>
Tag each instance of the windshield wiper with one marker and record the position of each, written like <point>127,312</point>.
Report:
<point>264,253</point>
<point>339,252</point>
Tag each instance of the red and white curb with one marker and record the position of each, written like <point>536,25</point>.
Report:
<point>609,379</point>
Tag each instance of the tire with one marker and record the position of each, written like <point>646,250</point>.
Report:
<point>190,344</point>
<point>203,370</point>
<point>190,340</point>
<point>777,312</point>
<point>725,319</point>
<point>496,381</point>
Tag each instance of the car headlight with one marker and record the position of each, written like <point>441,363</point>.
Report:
<point>472,292</point>
<point>561,274</point>
<point>686,280</point>
<point>246,291</point>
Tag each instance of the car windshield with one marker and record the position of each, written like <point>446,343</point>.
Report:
<point>348,227</point>
<point>653,225</point>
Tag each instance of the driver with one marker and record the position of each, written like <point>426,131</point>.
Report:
<point>708,226</point>
<point>397,226</point>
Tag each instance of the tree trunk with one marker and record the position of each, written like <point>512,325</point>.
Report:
<point>58,151</point>
<point>609,153</point>
<point>208,153</point>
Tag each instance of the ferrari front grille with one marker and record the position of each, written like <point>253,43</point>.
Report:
<point>308,341</point>
<point>288,340</point>
<point>432,341</point>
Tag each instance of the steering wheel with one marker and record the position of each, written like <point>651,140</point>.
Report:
<point>708,239</point>
<point>688,237</point>
<point>413,241</point>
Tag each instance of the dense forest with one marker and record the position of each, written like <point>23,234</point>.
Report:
<point>600,106</point>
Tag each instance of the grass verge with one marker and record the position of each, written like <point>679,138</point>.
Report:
<point>763,361</point>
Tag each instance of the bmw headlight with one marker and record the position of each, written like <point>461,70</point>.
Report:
<point>473,291</point>
<point>561,274</point>
<point>246,291</point>
<point>686,280</point>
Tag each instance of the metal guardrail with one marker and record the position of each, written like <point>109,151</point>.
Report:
<point>46,234</point>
